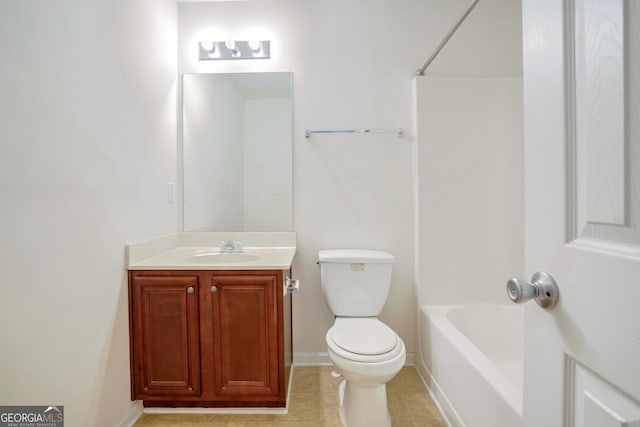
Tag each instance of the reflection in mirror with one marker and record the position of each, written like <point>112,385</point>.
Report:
<point>237,152</point>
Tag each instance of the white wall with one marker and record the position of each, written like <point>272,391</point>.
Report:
<point>87,147</point>
<point>352,63</point>
<point>470,188</point>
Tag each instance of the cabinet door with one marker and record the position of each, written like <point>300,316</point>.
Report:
<point>246,340</point>
<point>165,328</point>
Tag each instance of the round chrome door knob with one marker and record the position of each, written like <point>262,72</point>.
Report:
<point>542,288</point>
<point>190,289</point>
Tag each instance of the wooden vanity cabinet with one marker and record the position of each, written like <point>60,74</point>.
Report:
<point>209,338</point>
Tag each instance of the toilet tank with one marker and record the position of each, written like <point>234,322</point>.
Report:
<point>355,282</point>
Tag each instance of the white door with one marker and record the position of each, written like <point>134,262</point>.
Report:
<point>582,138</point>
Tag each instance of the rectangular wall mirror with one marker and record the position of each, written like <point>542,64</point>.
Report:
<point>237,145</point>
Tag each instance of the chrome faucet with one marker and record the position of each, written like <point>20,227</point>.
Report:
<point>231,246</point>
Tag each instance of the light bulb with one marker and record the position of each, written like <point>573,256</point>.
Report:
<point>208,45</point>
<point>255,45</point>
<point>231,45</point>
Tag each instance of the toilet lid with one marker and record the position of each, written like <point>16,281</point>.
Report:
<point>363,335</point>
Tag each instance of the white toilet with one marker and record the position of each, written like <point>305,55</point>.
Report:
<point>368,353</point>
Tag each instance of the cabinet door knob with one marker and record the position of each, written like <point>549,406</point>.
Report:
<point>190,289</point>
<point>214,288</point>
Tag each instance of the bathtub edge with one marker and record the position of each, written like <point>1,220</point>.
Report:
<point>436,393</point>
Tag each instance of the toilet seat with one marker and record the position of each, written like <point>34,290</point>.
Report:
<point>363,339</point>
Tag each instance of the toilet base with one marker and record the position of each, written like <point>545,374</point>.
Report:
<point>363,406</point>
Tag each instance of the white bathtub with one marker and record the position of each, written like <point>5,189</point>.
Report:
<point>471,360</point>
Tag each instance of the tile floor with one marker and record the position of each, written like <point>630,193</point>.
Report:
<point>314,403</point>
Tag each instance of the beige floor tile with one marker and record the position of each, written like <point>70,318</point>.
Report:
<point>236,418</point>
<point>328,383</point>
<point>168,418</point>
<point>305,380</point>
<point>422,410</point>
<point>303,407</point>
<point>331,421</point>
<point>408,380</point>
<point>249,424</point>
<point>145,423</point>
<point>299,424</point>
<point>405,424</point>
<point>398,410</point>
<point>176,420</point>
<point>314,403</point>
<point>201,424</point>
<point>329,407</point>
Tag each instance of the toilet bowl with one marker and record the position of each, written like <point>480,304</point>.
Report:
<point>368,354</point>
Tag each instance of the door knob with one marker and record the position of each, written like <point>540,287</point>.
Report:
<point>542,288</point>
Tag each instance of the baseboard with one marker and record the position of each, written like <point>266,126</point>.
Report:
<point>132,418</point>
<point>311,359</point>
<point>447,411</point>
<point>411,360</point>
<point>322,359</point>
<point>132,415</point>
<point>217,411</point>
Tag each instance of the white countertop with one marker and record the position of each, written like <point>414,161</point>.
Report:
<point>200,251</point>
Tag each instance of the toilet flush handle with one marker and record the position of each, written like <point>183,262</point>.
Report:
<point>542,288</point>
<point>291,285</point>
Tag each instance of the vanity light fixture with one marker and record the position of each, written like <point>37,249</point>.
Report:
<point>234,49</point>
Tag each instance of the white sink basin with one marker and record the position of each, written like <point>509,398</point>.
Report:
<point>221,258</point>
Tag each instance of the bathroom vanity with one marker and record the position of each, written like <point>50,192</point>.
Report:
<point>209,328</point>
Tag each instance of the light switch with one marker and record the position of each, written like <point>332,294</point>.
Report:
<point>171,192</point>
